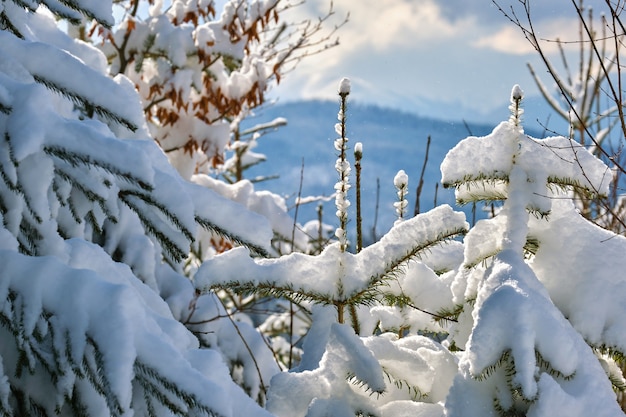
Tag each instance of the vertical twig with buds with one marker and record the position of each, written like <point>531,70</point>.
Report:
<point>401,181</point>
<point>343,167</point>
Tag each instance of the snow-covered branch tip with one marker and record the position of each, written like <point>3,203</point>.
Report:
<point>344,87</point>
<point>517,95</point>
<point>401,182</point>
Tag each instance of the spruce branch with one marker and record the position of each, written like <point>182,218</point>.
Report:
<point>401,383</point>
<point>93,367</point>
<point>38,351</point>
<point>610,351</point>
<point>158,386</point>
<point>451,314</point>
<point>545,366</point>
<point>489,197</point>
<point>43,350</point>
<point>415,253</point>
<point>5,22</point>
<point>76,159</point>
<point>479,179</point>
<point>162,208</point>
<point>26,405</point>
<point>156,389</point>
<point>88,193</point>
<point>489,370</point>
<point>28,237</point>
<point>270,289</point>
<point>175,252</point>
<point>17,187</point>
<point>405,301</point>
<point>76,5</point>
<point>85,103</point>
<point>220,231</point>
<point>70,14</point>
<point>583,190</point>
<point>352,378</point>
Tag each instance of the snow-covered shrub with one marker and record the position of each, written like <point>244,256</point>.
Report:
<point>201,71</point>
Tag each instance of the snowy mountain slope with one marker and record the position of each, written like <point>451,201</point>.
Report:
<point>392,140</point>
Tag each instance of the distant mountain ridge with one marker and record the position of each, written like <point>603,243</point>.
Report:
<point>392,140</point>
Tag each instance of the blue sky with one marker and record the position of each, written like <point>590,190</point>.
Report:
<point>447,58</point>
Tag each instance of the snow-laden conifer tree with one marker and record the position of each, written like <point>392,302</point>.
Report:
<point>526,323</point>
<point>95,224</point>
<point>200,71</point>
<point>341,373</point>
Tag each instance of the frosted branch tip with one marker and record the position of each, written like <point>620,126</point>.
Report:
<point>517,94</point>
<point>344,86</point>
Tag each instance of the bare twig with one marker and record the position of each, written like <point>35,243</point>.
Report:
<point>418,192</point>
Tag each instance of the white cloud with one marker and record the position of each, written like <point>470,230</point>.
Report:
<point>510,40</point>
<point>387,24</point>
<point>425,55</point>
<point>376,27</point>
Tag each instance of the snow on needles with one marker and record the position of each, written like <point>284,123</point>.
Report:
<point>123,318</point>
<point>555,160</point>
<point>332,274</point>
<point>92,226</point>
<point>588,287</point>
<point>523,355</point>
<point>50,66</point>
<point>318,393</point>
<point>517,324</point>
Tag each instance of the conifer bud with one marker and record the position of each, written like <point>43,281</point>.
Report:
<point>344,87</point>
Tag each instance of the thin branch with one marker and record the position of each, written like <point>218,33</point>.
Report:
<point>418,192</point>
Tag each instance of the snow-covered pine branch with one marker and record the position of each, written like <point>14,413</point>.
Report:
<point>96,95</point>
<point>552,162</point>
<point>320,278</point>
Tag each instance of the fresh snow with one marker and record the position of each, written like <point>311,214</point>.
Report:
<point>555,160</point>
<point>515,317</point>
<point>125,320</point>
<point>114,290</point>
<point>52,65</point>
<point>344,86</point>
<point>332,273</point>
<point>522,353</point>
<point>325,390</point>
<point>589,287</point>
